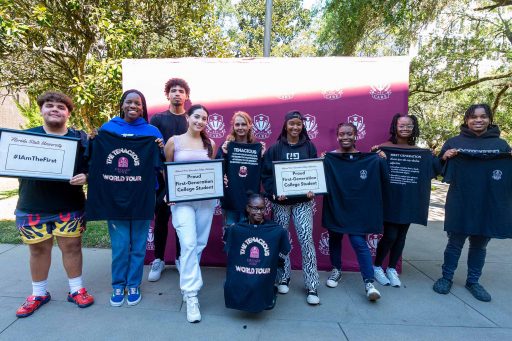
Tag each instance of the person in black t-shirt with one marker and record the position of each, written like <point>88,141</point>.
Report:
<point>240,178</point>
<point>294,144</point>
<point>51,208</point>
<point>255,248</point>
<point>404,131</point>
<point>346,136</point>
<point>478,135</point>
<point>170,122</point>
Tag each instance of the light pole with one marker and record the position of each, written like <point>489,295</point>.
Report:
<point>268,28</point>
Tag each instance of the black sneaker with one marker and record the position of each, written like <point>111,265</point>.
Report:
<point>442,286</point>
<point>283,287</point>
<point>334,278</point>
<point>312,297</point>
<point>478,292</point>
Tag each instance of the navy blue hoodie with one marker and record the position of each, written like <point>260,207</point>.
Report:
<point>468,142</point>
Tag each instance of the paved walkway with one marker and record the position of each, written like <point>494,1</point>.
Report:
<point>413,312</point>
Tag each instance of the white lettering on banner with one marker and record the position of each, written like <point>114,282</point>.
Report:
<point>332,94</point>
<point>380,92</point>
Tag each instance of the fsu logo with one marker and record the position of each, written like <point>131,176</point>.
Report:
<point>242,172</point>
<point>372,240</point>
<point>311,126</point>
<point>363,174</point>
<point>323,245</point>
<point>218,209</point>
<point>358,121</point>
<point>150,245</point>
<point>380,92</point>
<point>332,94</point>
<point>215,127</point>
<point>496,174</point>
<point>262,126</point>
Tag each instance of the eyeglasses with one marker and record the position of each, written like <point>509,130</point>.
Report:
<point>256,209</point>
<point>409,126</point>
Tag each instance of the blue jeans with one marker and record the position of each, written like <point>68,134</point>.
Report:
<point>128,239</point>
<point>476,255</point>
<point>364,257</point>
<point>232,217</point>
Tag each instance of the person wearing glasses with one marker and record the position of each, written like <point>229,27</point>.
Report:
<point>294,144</point>
<point>254,248</point>
<point>403,131</point>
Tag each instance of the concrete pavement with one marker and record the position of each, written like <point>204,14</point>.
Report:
<point>413,312</point>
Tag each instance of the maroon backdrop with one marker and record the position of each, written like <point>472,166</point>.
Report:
<point>365,91</point>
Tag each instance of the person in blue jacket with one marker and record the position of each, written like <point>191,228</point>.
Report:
<point>294,144</point>
<point>478,135</point>
<point>128,237</point>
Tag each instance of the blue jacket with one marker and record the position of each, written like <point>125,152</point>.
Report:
<point>138,127</point>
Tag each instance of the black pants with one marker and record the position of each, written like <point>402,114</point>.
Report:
<point>162,215</point>
<point>393,241</point>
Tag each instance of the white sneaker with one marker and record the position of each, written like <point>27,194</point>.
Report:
<point>193,313</point>
<point>157,267</point>
<point>393,278</point>
<point>334,278</point>
<point>312,297</point>
<point>283,287</point>
<point>380,276</point>
<point>371,293</point>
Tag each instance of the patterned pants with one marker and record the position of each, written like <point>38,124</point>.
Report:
<point>302,214</point>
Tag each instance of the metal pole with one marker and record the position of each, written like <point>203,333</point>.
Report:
<point>268,29</point>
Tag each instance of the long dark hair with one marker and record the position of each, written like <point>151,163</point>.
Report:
<point>471,110</point>
<point>393,129</point>
<point>142,98</point>
<point>207,143</point>
<point>290,115</point>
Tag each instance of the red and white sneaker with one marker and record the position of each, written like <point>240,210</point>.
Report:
<point>32,303</point>
<point>81,298</point>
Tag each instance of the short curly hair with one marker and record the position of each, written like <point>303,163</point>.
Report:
<point>176,81</point>
<point>55,96</point>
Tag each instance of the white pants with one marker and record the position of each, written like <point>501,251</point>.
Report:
<point>192,221</point>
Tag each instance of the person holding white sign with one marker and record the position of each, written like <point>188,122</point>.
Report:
<point>52,208</point>
<point>294,144</point>
<point>192,219</point>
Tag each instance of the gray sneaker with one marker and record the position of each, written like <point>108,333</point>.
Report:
<point>442,286</point>
<point>478,292</point>
<point>334,278</point>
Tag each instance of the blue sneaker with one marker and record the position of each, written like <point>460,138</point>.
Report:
<point>117,298</point>
<point>134,296</point>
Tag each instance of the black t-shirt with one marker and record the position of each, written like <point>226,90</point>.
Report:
<point>354,202</point>
<point>169,124</point>
<point>242,165</point>
<point>122,177</point>
<point>407,193</point>
<point>45,196</point>
<point>479,200</point>
<point>253,255</point>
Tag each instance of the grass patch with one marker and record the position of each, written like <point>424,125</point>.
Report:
<point>8,194</point>
<point>96,235</point>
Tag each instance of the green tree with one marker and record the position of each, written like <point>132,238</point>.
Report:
<point>76,46</point>
<point>244,24</point>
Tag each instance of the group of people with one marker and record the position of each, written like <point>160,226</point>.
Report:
<point>49,208</point>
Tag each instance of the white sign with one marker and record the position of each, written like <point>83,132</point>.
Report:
<point>196,180</point>
<point>297,178</point>
<point>37,156</point>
